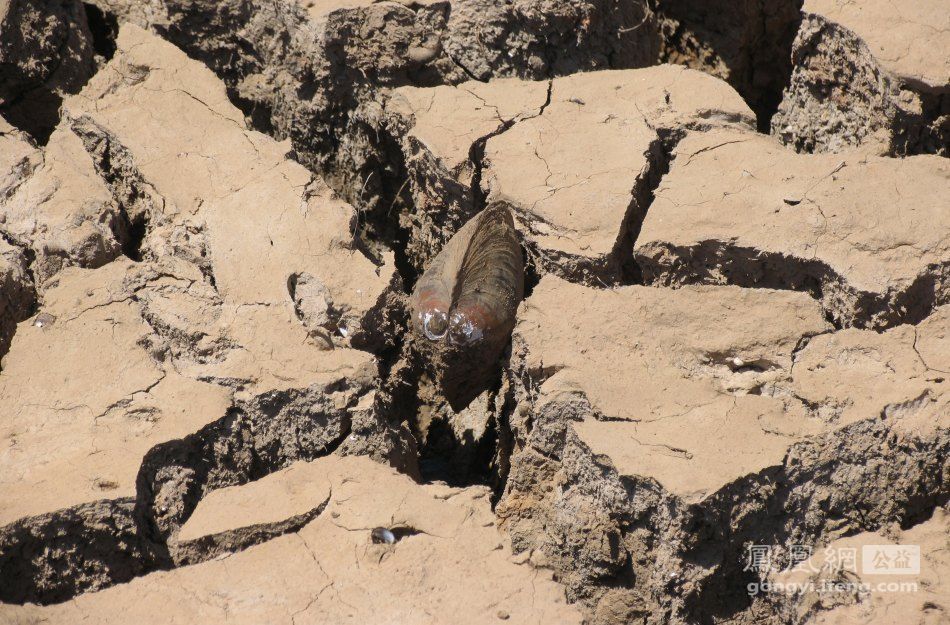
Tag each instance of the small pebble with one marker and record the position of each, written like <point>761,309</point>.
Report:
<point>423,54</point>
<point>503,615</point>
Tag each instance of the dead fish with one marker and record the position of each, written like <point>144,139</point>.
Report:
<point>471,290</point>
<point>464,306</point>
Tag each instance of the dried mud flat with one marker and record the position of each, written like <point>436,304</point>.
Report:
<point>735,328</point>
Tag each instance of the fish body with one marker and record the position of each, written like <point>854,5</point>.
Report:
<point>464,305</point>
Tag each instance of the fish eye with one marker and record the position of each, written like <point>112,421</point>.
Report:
<point>435,323</point>
<point>463,330</point>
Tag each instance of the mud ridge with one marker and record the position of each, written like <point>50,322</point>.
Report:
<point>112,541</point>
<point>18,287</point>
<point>53,557</point>
<point>48,54</point>
<point>896,104</point>
<point>747,45</point>
<point>137,201</point>
<point>225,543</point>
<point>811,498</point>
<point>714,262</point>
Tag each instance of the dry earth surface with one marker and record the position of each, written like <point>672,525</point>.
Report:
<point>735,328</point>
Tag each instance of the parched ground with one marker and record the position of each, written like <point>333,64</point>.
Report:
<point>735,220</point>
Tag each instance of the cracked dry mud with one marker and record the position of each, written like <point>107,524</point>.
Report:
<point>869,73</point>
<point>213,214</point>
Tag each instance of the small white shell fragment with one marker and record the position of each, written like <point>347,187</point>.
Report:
<point>381,535</point>
<point>43,320</point>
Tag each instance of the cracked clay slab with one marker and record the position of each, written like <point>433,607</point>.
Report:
<point>867,236</point>
<point>671,427</point>
<point>455,562</point>
<point>575,171</point>
<point>874,74</point>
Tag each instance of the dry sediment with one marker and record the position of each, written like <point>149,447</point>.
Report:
<point>205,275</point>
